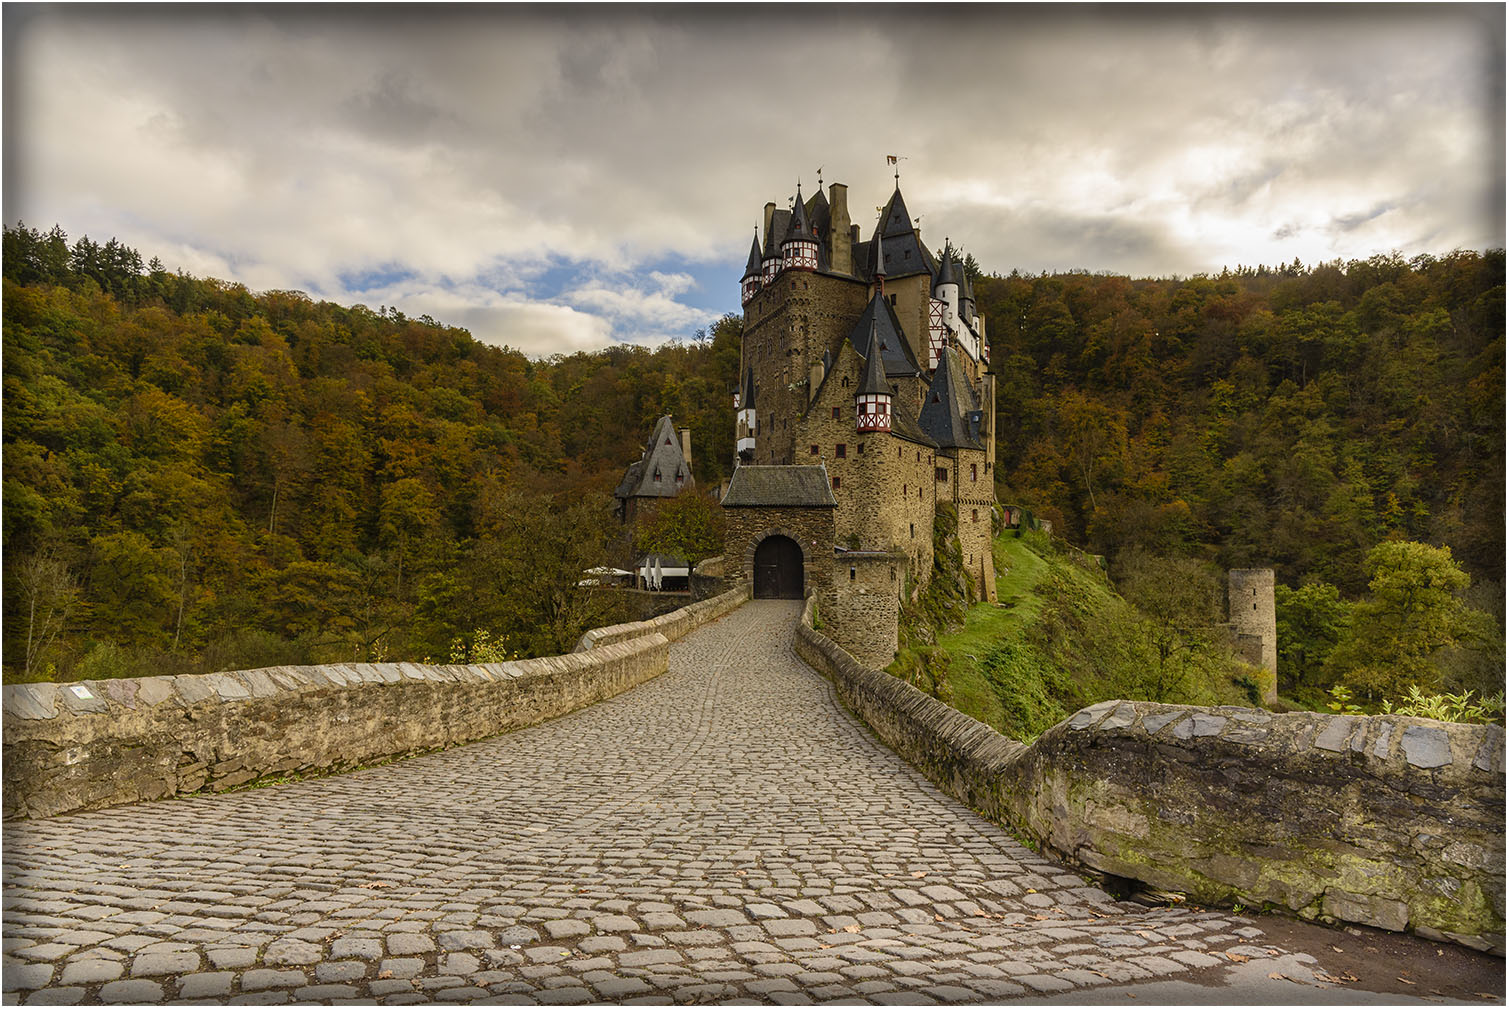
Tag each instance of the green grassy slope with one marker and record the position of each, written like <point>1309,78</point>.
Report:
<point>1058,638</point>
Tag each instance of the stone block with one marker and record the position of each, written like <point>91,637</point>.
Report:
<point>1426,747</point>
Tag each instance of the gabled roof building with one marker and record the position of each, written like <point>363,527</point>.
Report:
<point>865,364</point>
<point>663,470</point>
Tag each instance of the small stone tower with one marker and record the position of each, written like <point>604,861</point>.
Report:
<point>1254,624</point>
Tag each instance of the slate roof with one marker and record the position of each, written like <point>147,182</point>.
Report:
<point>904,254</point>
<point>780,223</point>
<point>752,268</point>
<point>874,382</point>
<point>779,486</point>
<point>945,271</point>
<point>947,404</point>
<point>907,429</point>
<point>800,226</point>
<point>879,318</point>
<point>639,479</point>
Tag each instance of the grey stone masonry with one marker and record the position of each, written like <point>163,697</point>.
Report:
<point>100,743</point>
<point>1386,821</point>
<point>723,832</point>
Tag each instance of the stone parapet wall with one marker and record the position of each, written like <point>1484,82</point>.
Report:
<point>673,625</point>
<point>1386,821</point>
<point>76,746</point>
<point>708,578</point>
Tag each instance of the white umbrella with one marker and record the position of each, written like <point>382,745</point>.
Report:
<point>659,576</point>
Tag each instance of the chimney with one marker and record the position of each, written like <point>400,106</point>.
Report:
<point>769,213</point>
<point>686,447</point>
<point>840,256</point>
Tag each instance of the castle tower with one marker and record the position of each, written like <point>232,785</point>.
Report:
<point>799,250</point>
<point>872,401</point>
<point>751,283</point>
<point>1254,623</point>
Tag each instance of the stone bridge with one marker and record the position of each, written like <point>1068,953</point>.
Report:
<point>724,832</point>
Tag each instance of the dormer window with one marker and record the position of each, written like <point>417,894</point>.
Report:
<point>657,476</point>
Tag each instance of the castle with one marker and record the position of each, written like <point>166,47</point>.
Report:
<point>865,404</point>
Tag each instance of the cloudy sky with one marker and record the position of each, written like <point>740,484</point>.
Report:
<point>557,179</point>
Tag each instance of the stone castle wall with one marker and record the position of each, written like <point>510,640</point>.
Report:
<point>811,528</point>
<point>98,743</point>
<point>873,513</point>
<point>787,326</point>
<point>1392,822</point>
<point>863,610</point>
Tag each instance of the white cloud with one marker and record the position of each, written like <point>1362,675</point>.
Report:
<point>470,147</point>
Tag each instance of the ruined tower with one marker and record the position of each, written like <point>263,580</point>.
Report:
<point>1254,623</point>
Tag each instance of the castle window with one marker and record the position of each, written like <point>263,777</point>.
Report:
<point>835,413</point>
<point>903,490</point>
<point>913,526</point>
<point>893,301</point>
<point>941,474</point>
<point>919,493</point>
<point>973,472</point>
<point>860,448</point>
<point>1254,606</point>
<point>668,441</point>
<point>846,381</point>
<point>814,450</point>
<point>974,514</point>
<point>851,572</point>
<point>657,476</point>
<point>835,483</point>
<point>841,451</point>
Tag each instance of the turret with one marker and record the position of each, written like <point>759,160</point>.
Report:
<point>966,296</point>
<point>946,290</point>
<point>872,401</point>
<point>752,282</point>
<point>770,255</point>
<point>799,250</point>
<point>745,419</point>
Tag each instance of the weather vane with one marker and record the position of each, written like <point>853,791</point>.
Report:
<point>892,159</point>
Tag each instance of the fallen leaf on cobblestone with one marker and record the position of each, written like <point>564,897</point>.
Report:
<point>919,875</point>
<point>1237,957</point>
<point>1275,976</point>
<point>1406,980</point>
<point>375,885</point>
<point>937,917</point>
<point>855,928</point>
<point>1031,890</point>
<point>1146,934</point>
<point>1337,948</point>
<point>385,975</point>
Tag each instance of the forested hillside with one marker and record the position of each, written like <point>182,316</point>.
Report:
<point>197,476</point>
<point>200,477</point>
<point>1291,418</point>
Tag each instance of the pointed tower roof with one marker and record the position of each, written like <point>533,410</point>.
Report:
<point>945,270</point>
<point>746,396</point>
<point>780,221</point>
<point>752,268</point>
<point>947,405</point>
<point>902,253</point>
<point>878,333</point>
<point>662,453</point>
<point>819,213</point>
<point>801,227</point>
<point>874,383</point>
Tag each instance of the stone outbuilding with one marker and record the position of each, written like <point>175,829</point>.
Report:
<point>778,529</point>
<point>662,471</point>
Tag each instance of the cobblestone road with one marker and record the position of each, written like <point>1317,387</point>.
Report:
<point>724,832</point>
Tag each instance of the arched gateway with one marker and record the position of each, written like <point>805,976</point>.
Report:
<point>778,569</point>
